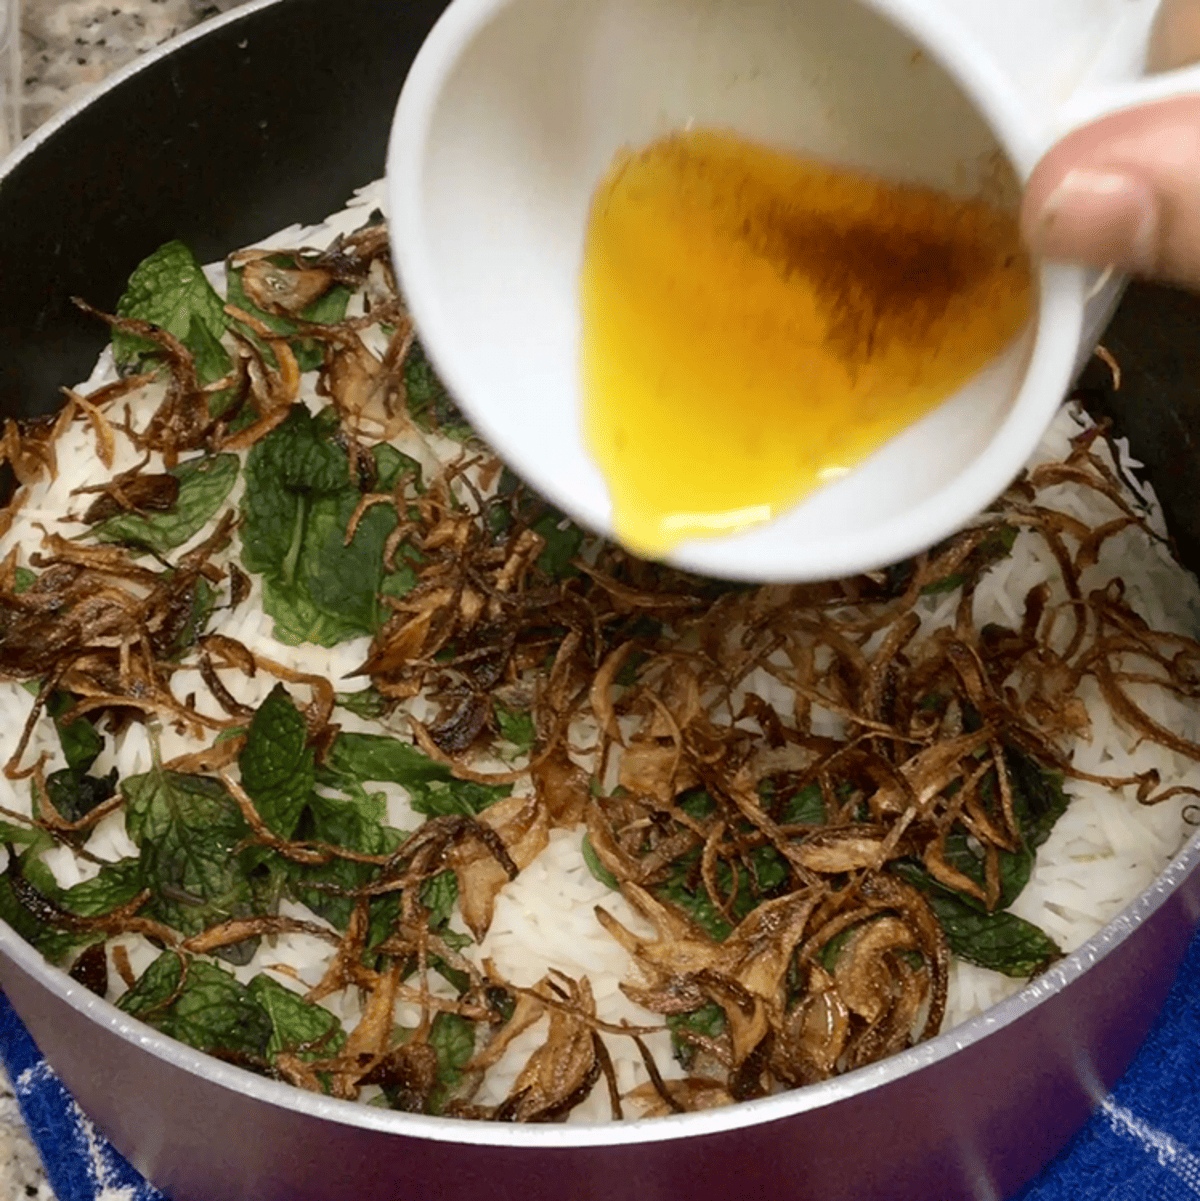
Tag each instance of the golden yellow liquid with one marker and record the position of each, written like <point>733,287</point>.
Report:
<point>754,324</point>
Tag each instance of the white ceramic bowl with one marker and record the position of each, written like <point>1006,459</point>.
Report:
<point>511,115</point>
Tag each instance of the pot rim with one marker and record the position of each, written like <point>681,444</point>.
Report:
<point>644,1130</point>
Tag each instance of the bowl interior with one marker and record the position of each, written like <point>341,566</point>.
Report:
<point>509,119</point>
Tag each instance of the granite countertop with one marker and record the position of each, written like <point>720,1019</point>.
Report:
<point>67,47</point>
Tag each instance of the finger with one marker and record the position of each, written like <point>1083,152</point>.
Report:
<point>1123,192</point>
<point>1175,40</point>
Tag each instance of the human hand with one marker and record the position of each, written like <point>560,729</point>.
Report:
<point>1125,190</point>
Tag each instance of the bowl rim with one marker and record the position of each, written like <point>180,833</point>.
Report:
<point>643,1130</point>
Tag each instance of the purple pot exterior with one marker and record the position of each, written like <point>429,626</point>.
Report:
<point>273,115</point>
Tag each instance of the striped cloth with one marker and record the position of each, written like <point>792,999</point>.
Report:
<point>1142,1144</point>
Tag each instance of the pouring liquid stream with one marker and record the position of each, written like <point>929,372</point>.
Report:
<point>755,324</point>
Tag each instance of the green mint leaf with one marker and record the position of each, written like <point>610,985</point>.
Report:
<point>429,404</point>
<point>169,290</point>
<point>117,884</point>
<point>355,824</point>
<point>80,740</point>
<point>204,1007</point>
<point>1038,802</point>
<point>805,806</point>
<point>996,546</point>
<point>1000,941</point>
<point>439,895</point>
<point>449,798</point>
<point>697,804</point>
<point>453,1039</point>
<point>34,928</point>
<point>276,763</point>
<point>393,466</point>
<point>190,831</point>
<point>299,501</point>
<point>204,486</point>
<point>369,704</point>
<point>564,540</point>
<point>325,310</point>
<point>202,601</point>
<point>693,901</point>
<point>155,987</point>
<point>432,789</point>
<point>75,794</point>
<point>23,579</point>
<point>284,470</point>
<point>159,799</point>
<point>833,948</point>
<point>377,757</point>
<point>298,1027</point>
<point>516,727</point>
<point>708,1020</point>
<point>683,888</point>
<point>596,867</point>
<point>1038,797</point>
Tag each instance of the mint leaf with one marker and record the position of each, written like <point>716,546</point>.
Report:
<point>439,895</point>
<point>429,404</point>
<point>298,1027</point>
<point>432,788</point>
<point>276,764</point>
<point>596,867</point>
<point>80,740</point>
<point>29,845</point>
<point>515,502</point>
<point>516,727</point>
<point>75,794</point>
<point>72,791</point>
<point>204,486</point>
<point>325,310</point>
<point>201,600</point>
<point>369,704</point>
<point>117,884</point>
<point>804,808</point>
<point>377,757</point>
<point>169,289</point>
<point>299,501</point>
<point>996,546</point>
<point>1038,802</point>
<point>189,832</point>
<point>204,1007</point>
<point>355,824</point>
<point>453,1039</point>
<point>708,1020</point>
<point>564,540</point>
<point>684,889</point>
<point>1000,941</point>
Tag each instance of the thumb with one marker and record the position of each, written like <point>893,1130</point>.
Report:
<point>1123,191</point>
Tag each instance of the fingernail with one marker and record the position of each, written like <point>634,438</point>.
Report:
<point>1099,218</point>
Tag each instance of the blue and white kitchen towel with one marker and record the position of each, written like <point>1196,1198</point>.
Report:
<point>1143,1144</point>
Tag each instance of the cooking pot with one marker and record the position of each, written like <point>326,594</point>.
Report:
<point>273,115</point>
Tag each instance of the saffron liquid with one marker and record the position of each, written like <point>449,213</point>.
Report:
<point>755,324</point>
